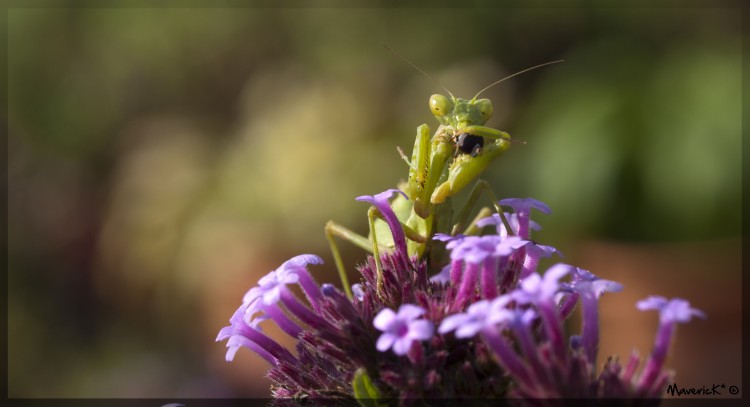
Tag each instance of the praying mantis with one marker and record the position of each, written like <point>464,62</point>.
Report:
<point>441,166</point>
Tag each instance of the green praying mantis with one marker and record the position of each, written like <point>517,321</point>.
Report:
<point>440,167</point>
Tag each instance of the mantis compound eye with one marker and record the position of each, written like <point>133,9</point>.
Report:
<point>485,107</point>
<point>440,105</point>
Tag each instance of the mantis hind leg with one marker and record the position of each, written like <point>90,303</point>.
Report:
<point>332,230</point>
<point>371,245</point>
<point>461,225</point>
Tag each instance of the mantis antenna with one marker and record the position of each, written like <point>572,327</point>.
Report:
<point>517,73</point>
<point>417,68</point>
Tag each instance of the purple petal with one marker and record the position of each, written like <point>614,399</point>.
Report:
<point>269,279</point>
<point>469,329</point>
<point>535,289</point>
<point>401,346</point>
<point>253,322</point>
<point>288,275</point>
<point>231,351</point>
<point>498,313</point>
<point>499,317</point>
<point>443,237</point>
<point>512,221</point>
<point>409,312</point>
<point>558,271</point>
<point>580,274</point>
<point>224,333</point>
<point>421,329</point>
<point>385,341</point>
<point>525,205</point>
<point>442,277</point>
<point>586,283</point>
<point>302,261</point>
<point>237,341</point>
<point>679,310</point>
<point>543,251</point>
<point>252,295</point>
<point>272,295</point>
<point>527,316</point>
<point>550,282</point>
<point>385,195</point>
<point>509,245</point>
<point>452,322</point>
<point>656,302</point>
<point>358,291</point>
<point>494,219</point>
<point>476,256</point>
<point>528,289</point>
<point>477,249</point>
<point>479,308</point>
<point>237,320</point>
<point>234,344</point>
<point>384,319</point>
<point>602,286</point>
<point>468,324</point>
<point>239,333</point>
<point>270,286</point>
<point>380,201</point>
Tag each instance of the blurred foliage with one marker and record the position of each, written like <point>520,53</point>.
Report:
<point>161,160</point>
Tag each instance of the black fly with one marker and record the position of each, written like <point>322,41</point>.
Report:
<point>469,144</point>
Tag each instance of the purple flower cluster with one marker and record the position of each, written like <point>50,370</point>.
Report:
<point>487,324</point>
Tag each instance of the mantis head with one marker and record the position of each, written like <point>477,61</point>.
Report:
<point>460,113</point>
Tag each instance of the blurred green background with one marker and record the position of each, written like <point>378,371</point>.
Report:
<point>161,160</point>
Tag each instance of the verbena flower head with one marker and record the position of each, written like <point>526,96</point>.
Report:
<point>500,323</point>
